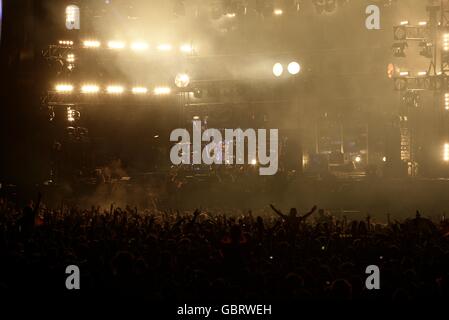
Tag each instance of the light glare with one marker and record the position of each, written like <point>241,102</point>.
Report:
<point>91,44</point>
<point>116,45</point>
<point>64,88</point>
<point>89,88</point>
<point>164,47</point>
<point>294,68</point>
<point>278,69</point>
<point>139,46</point>
<point>139,90</point>
<point>162,91</point>
<point>115,89</point>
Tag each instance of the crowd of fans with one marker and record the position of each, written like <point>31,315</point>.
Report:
<point>219,256</point>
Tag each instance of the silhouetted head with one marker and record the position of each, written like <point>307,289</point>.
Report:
<point>293,212</point>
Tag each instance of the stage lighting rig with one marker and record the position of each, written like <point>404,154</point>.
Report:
<point>426,49</point>
<point>325,6</point>
<point>399,49</point>
<point>182,80</point>
<point>405,31</point>
<point>64,88</point>
<point>411,98</point>
<point>72,114</point>
<point>66,43</point>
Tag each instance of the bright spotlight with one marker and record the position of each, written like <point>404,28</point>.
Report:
<point>254,162</point>
<point>139,90</point>
<point>446,42</point>
<point>186,48</point>
<point>278,69</point>
<point>66,43</point>
<point>116,45</point>
<point>64,88</point>
<point>71,114</point>
<point>91,44</point>
<point>164,47</point>
<point>139,46</point>
<point>162,91</point>
<point>384,159</point>
<point>358,159</point>
<point>294,68</point>
<point>90,88</point>
<point>446,152</point>
<point>231,15</point>
<point>115,89</point>
<point>70,58</point>
<point>182,80</point>
<point>278,12</point>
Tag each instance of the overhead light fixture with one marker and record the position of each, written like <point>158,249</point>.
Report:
<point>90,89</point>
<point>91,44</point>
<point>446,152</point>
<point>66,43</point>
<point>162,91</point>
<point>182,80</point>
<point>278,69</point>
<point>115,89</point>
<point>294,68</point>
<point>64,88</point>
<point>70,58</point>
<point>71,114</point>
<point>139,90</point>
<point>278,12</point>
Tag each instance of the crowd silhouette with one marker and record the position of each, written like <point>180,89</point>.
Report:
<point>209,256</point>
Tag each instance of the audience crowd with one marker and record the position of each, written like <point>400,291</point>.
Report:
<point>219,256</point>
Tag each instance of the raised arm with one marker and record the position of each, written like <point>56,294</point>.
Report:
<point>308,214</point>
<point>278,212</point>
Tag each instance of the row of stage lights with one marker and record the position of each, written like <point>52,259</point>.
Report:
<point>138,46</point>
<point>427,47</point>
<point>293,68</point>
<point>91,89</point>
<point>182,80</point>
